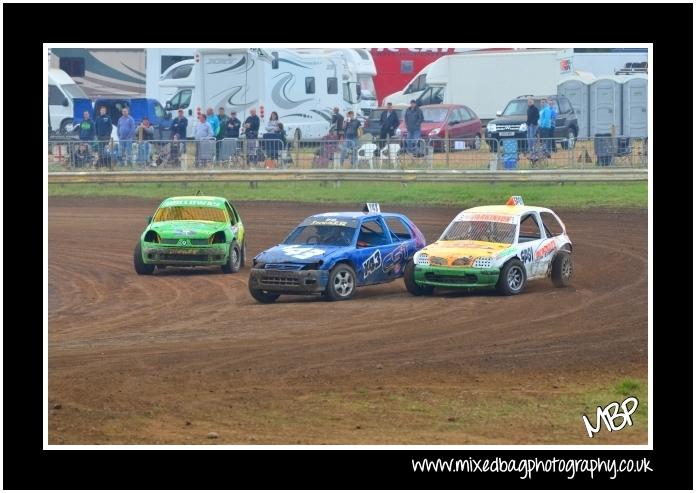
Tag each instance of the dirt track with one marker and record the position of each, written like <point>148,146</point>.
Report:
<point>133,358</point>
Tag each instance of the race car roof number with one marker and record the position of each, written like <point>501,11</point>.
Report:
<point>371,207</point>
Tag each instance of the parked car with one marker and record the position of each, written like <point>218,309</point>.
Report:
<point>512,123</point>
<point>332,254</point>
<point>497,246</point>
<point>191,231</point>
<point>455,121</point>
<point>372,122</point>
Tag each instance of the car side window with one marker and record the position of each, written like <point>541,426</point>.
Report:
<point>465,116</point>
<point>551,224</point>
<point>398,228</point>
<point>230,212</point>
<point>529,229</point>
<point>372,234</point>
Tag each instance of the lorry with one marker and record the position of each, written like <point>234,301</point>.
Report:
<point>62,91</point>
<point>485,81</point>
<point>303,88</point>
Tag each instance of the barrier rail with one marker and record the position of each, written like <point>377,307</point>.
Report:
<point>350,155</point>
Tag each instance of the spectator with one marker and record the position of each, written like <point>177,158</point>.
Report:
<point>545,126</point>
<point>86,128</point>
<point>203,129</point>
<point>282,134</point>
<point>222,118</point>
<point>350,144</point>
<point>413,117</point>
<point>103,127</point>
<point>554,114</point>
<point>213,120</point>
<point>336,127</point>
<point>179,128</point>
<point>532,123</point>
<point>126,132</point>
<point>233,125</point>
<point>82,155</point>
<point>144,134</point>
<point>389,122</point>
<point>251,125</point>
<point>272,125</point>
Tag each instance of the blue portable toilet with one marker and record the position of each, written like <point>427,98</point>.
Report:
<point>510,153</point>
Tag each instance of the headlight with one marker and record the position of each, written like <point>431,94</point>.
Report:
<point>152,237</point>
<point>491,127</point>
<point>462,261</point>
<point>523,127</point>
<point>483,262</point>
<point>218,237</point>
<point>438,261</point>
<point>435,131</point>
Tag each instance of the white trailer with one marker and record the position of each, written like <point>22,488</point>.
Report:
<point>302,88</point>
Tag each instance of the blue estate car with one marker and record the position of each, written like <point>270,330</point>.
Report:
<point>332,254</point>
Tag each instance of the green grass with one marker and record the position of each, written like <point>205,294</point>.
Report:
<point>579,195</point>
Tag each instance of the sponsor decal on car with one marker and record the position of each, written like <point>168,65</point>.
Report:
<point>301,252</point>
<point>373,263</point>
<point>480,216</point>
<point>545,249</point>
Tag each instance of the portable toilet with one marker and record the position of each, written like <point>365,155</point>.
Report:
<point>635,106</point>
<point>576,87</point>
<point>605,105</point>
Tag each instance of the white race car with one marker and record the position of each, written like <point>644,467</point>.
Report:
<point>501,246</point>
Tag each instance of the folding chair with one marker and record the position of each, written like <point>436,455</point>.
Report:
<point>205,152</point>
<point>230,152</point>
<point>366,153</point>
<point>390,154</point>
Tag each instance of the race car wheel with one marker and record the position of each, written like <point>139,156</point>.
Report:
<point>512,278</point>
<point>233,259</point>
<point>141,267</point>
<point>243,259</point>
<point>409,281</point>
<point>562,269</point>
<point>341,283</point>
<point>262,296</point>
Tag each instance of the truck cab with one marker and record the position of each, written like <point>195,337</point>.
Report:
<point>62,93</point>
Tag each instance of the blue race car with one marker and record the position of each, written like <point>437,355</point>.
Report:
<point>332,254</point>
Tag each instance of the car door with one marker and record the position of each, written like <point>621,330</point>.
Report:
<point>530,239</point>
<point>561,118</point>
<point>236,227</point>
<point>402,248</point>
<point>456,126</point>
<point>373,244</point>
<point>471,125</point>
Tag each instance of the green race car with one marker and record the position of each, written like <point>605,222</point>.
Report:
<point>191,231</point>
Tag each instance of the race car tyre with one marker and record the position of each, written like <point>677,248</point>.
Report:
<point>141,267</point>
<point>512,278</point>
<point>233,259</point>
<point>341,283</point>
<point>410,283</point>
<point>262,296</point>
<point>242,261</point>
<point>562,269</point>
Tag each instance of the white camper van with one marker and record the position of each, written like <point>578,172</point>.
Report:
<point>302,88</point>
<point>61,92</point>
<point>179,76</point>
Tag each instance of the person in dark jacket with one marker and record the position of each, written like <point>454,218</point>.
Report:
<point>413,117</point>
<point>251,125</point>
<point>103,127</point>
<point>336,124</point>
<point>389,122</point>
<point>532,123</point>
<point>179,129</point>
<point>232,126</point>
<point>350,144</point>
<point>87,130</point>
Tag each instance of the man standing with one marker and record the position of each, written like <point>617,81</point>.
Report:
<point>532,123</point>
<point>179,128</point>
<point>103,127</point>
<point>389,122</point>
<point>350,144</point>
<point>251,125</point>
<point>86,128</point>
<point>413,118</point>
<point>232,126</point>
<point>554,114</point>
<point>336,123</point>
<point>213,120</point>
<point>126,131</point>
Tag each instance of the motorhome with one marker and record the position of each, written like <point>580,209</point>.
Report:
<point>103,72</point>
<point>178,76</point>
<point>162,79</point>
<point>302,88</point>
<point>62,91</point>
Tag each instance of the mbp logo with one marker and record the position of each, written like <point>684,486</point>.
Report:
<point>610,414</point>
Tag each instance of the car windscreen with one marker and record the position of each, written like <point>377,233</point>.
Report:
<point>321,235</point>
<point>189,213</point>
<point>517,107</point>
<point>434,115</point>
<point>495,232</point>
<point>74,91</point>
